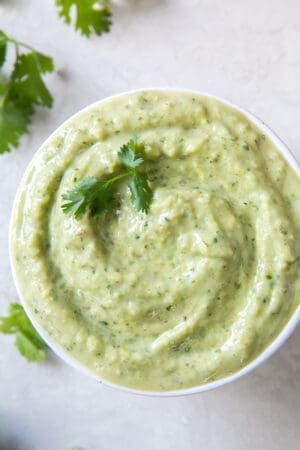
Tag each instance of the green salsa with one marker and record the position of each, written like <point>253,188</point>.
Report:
<point>190,292</point>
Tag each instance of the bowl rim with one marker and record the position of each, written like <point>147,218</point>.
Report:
<point>284,334</point>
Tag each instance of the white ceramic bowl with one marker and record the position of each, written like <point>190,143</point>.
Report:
<point>273,347</point>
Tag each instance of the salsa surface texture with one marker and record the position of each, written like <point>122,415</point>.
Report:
<point>190,292</point>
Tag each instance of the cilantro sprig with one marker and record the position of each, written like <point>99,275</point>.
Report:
<point>22,90</point>
<point>28,341</point>
<point>91,16</point>
<point>98,195</point>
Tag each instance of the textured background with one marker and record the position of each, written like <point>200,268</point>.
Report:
<point>246,51</point>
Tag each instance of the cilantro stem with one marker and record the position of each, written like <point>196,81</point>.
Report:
<point>19,44</point>
<point>118,177</point>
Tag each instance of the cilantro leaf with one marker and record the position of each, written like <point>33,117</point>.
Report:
<point>13,123</point>
<point>28,341</point>
<point>141,193</point>
<point>79,198</point>
<point>103,200</point>
<point>27,87</point>
<point>91,15</point>
<point>98,195</point>
<point>21,91</point>
<point>28,349</point>
<point>45,63</point>
<point>127,154</point>
<point>3,46</point>
<point>87,193</point>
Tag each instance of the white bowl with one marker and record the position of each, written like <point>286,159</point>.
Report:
<point>275,344</point>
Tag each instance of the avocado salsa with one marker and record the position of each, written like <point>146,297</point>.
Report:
<point>190,292</point>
